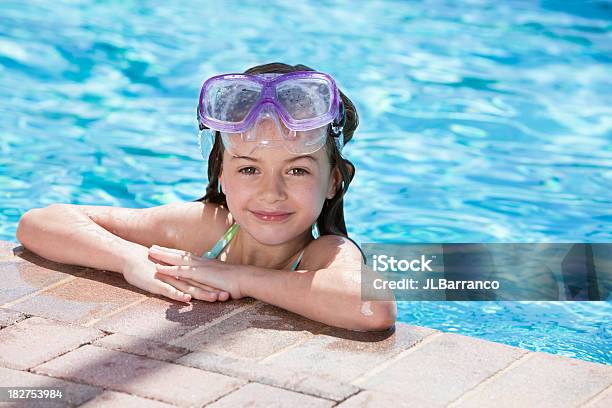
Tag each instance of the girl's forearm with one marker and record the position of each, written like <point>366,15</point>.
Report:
<point>62,234</point>
<point>330,296</point>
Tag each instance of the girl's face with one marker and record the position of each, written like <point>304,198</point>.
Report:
<point>277,195</point>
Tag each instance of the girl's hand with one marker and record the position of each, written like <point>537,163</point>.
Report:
<point>201,271</point>
<point>141,272</point>
<point>197,290</point>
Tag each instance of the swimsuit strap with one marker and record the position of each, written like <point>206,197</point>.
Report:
<point>222,243</point>
<point>297,261</point>
<point>227,237</point>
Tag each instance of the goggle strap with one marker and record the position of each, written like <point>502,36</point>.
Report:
<point>338,126</point>
<point>339,143</point>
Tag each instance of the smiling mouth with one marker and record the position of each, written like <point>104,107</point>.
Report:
<point>271,216</point>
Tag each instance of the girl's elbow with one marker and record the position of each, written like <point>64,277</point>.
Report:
<point>382,315</point>
<point>24,226</point>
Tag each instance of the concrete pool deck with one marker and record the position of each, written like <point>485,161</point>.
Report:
<point>109,344</point>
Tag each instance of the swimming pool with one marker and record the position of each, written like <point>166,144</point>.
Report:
<point>486,122</point>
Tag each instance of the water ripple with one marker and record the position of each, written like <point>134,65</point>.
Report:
<point>482,123</point>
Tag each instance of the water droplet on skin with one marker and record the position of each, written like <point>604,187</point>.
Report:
<point>365,309</point>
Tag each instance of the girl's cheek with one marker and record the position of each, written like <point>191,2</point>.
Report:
<point>305,187</point>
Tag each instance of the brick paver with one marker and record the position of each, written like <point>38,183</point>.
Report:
<point>375,399</point>
<point>440,370</point>
<point>255,395</point>
<point>345,355</point>
<point>8,317</point>
<point>79,300</point>
<point>316,385</point>
<point>542,380</point>
<point>602,400</point>
<point>143,347</point>
<point>36,340</point>
<point>120,400</point>
<point>253,334</point>
<point>73,393</point>
<point>21,278</point>
<point>141,376</point>
<point>163,319</point>
<point>8,249</point>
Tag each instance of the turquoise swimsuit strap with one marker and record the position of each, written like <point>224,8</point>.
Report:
<point>227,237</point>
<point>222,243</point>
<point>297,261</point>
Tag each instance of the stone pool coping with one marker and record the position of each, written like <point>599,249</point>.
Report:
<point>110,344</point>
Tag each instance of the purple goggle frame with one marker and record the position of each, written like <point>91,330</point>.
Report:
<point>335,114</point>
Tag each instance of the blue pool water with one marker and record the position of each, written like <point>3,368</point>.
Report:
<point>480,122</point>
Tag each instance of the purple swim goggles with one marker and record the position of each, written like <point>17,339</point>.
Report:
<point>296,110</point>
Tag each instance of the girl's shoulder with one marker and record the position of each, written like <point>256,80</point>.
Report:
<point>331,250</point>
<point>201,225</point>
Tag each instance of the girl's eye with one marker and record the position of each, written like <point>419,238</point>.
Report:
<point>300,172</point>
<point>247,171</point>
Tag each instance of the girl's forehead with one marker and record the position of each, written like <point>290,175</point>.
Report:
<point>277,155</point>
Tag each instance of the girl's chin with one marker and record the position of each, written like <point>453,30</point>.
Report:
<point>271,238</point>
<point>272,233</point>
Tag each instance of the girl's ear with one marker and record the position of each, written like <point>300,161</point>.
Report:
<point>337,179</point>
<point>335,184</point>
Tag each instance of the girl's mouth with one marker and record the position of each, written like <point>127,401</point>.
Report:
<point>271,216</point>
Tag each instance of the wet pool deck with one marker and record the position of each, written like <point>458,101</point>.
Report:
<point>110,344</point>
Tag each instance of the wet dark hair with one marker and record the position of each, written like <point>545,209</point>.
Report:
<point>331,219</point>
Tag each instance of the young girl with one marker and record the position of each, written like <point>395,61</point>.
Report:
<point>276,173</point>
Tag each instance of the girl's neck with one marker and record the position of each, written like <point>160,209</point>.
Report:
<point>245,250</point>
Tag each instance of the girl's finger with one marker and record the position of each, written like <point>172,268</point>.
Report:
<point>157,261</point>
<point>212,274</point>
<point>170,291</point>
<point>182,271</point>
<point>221,294</point>
<point>165,249</point>
<point>194,291</point>
<point>201,285</point>
<point>174,256</point>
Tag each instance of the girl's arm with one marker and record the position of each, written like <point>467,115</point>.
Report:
<point>104,237</point>
<point>330,294</point>
<point>62,233</point>
<point>328,290</point>
<point>115,239</point>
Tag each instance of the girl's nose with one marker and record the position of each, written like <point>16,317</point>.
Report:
<point>272,188</point>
